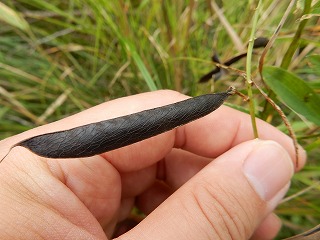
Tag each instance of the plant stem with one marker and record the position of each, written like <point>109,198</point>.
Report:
<point>248,70</point>
<point>296,39</point>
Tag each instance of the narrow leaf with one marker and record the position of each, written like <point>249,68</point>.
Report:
<point>294,92</point>
<point>12,18</point>
<point>143,69</point>
<point>132,50</point>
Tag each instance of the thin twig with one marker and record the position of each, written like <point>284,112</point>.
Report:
<point>21,73</point>
<point>20,108</point>
<point>57,103</point>
<point>248,70</point>
<point>233,35</point>
<point>286,122</point>
<point>303,191</point>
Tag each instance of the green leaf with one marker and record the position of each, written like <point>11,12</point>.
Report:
<point>133,51</point>
<point>143,69</point>
<point>315,8</point>
<point>294,92</point>
<point>315,12</point>
<point>12,18</point>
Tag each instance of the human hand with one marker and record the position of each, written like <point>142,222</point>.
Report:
<point>211,180</point>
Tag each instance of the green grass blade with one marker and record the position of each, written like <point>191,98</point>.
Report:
<point>145,73</point>
<point>131,49</point>
<point>294,92</point>
<point>12,18</point>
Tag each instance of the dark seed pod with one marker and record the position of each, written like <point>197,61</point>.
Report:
<point>215,74</point>
<point>260,42</point>
<point>96,138</point>
<point>209,75</point>
<point>312,234</point>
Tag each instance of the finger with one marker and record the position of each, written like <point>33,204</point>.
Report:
<point>95,182</point>
<point>153,197</point>
<point>134,183</point>
<point>178,167</point>
<point>175,169</point>
<point>34,199</point>
<point>268,229</point>
<point>88,178</point>
<point>125,209</point>
<point>228,199</point>
<point>218,132</point>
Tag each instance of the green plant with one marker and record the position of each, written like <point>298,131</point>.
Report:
<point>60,57</point>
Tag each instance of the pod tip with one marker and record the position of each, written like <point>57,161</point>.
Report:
<point>231,90</point>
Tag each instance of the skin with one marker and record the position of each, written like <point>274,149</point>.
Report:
<point>194,171</point>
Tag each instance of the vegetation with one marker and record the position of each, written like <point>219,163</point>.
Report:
<point>60,57</point>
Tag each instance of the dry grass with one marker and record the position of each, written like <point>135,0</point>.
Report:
<point>60,57</point>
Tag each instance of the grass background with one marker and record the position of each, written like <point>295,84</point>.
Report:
<point>61,57</point>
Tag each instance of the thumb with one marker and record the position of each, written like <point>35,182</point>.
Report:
<point>228,199</point>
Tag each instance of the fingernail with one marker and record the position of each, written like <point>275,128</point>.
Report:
<point>268,168</point>
<point>273,202</point>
